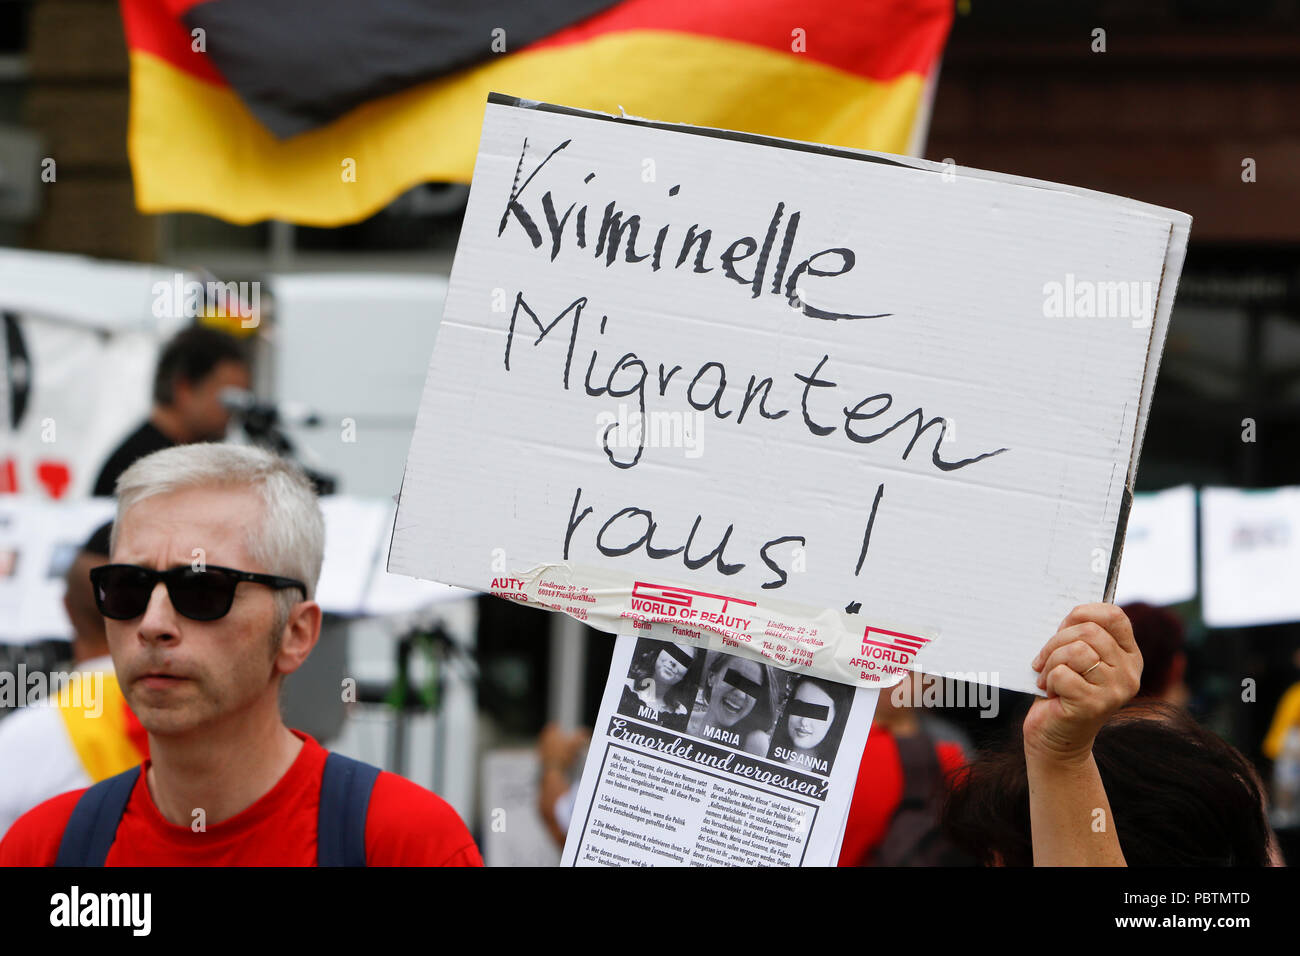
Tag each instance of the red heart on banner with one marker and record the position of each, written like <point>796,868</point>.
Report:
<point>55,476</point>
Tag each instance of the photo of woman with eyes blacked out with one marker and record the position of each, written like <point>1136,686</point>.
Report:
<point>661,683</point>
<point>812,721</point>
<point>737,703</point>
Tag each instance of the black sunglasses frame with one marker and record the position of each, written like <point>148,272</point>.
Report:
<point>173,577</point>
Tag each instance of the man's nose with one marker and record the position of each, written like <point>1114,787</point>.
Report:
<point>159,621</point>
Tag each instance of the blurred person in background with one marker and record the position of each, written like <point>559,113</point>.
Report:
<point>1098,779</point>
<point>1177,795</point>
<point>894,816</point>
<point>1160,638</point>
<point>560,753</point>
<point>216,552</point>
<point>194,368</point>
<point>81,738</point>
<point>1285,718</point>
<point>1282,746</point>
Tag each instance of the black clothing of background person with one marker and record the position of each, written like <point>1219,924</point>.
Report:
<point>145,440</point>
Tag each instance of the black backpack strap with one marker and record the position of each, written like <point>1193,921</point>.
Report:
<point>912,818</point>
<point>92,828</point>
<point>921,772</point>
<point>345,789</point>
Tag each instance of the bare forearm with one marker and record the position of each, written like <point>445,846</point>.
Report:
<point>554,784</point>
<point>1089,669</point>
<point>1069,815</point>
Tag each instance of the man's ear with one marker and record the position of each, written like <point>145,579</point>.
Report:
<point>182,391</point>
<point>301,632</point>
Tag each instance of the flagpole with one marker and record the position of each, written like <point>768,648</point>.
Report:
<point>921,126</point>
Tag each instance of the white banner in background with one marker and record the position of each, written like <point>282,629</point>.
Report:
<point>1250,543</point>
<point>1159,562</point>
<point>76,393</point>
<point>38,540</point>
<point>78,347</point>
<point>354,581</point>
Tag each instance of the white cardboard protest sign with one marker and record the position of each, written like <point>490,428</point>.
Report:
<point>892,408</point>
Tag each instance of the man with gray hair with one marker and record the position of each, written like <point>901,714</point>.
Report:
<point>235,537</point>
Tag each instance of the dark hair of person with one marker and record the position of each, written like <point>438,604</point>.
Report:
<point>1159,635</point>
<point>191,356</point>
<point>98,542</point>
<point>643,666</point>
<point>764,713</point>
<point>1179,796</point>
<point>839,693</point>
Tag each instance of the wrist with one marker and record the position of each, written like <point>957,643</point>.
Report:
<point>1057,757</point>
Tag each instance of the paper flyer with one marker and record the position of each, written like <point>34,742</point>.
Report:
<point>701,758</point>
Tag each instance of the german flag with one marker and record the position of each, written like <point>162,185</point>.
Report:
<point>321,112</point>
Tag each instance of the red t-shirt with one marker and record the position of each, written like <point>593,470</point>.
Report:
<point>879,791</point>
<point>406,825</point>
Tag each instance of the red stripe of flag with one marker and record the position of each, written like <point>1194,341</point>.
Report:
<point>154,26</point>
<point>883,39</point>
<point>877,39</point>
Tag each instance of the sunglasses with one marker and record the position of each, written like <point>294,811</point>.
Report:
<point>122,591</point>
